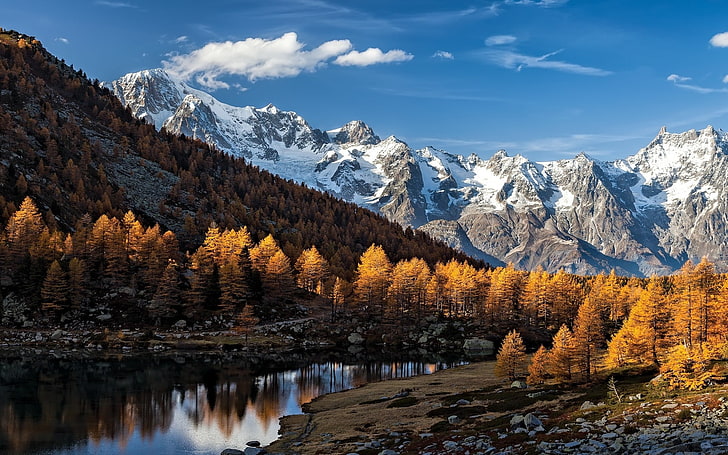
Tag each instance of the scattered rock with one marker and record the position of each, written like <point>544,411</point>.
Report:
<point>478,346</point>
<point>355,338</point>
<point>519,385</point>
<point>453,420</point>
<point>232,452</point>
<point>587,405</point>
<point>181,324</point>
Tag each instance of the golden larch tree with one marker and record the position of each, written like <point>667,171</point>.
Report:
<point>588,336</point>
<point>511,357</point>
<point>538,368</point>
<point>373,275</point>
<point>313,269</point>
<point>54,291</point>
<point>560,360</point>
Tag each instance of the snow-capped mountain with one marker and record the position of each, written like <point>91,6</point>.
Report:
<point>642,215</point>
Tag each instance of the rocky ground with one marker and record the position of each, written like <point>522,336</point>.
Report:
<point>467,410</point>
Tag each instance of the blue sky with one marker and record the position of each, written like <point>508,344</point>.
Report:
<point>544,78</point>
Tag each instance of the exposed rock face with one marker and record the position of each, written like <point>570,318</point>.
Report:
<point>642,215</point>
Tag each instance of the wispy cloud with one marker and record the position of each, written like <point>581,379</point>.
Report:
<point>427,93</point>
<point>259,58</point>
<point>372,56</point>
<point>499,40</point>
<point>539,3</point>
<point>445,55</point>
<point>719,40</point>
<point>63,40</point>
<point>513,60</point>
<point>181,39</point>
<point>681,81</point>
<point>115,4</point>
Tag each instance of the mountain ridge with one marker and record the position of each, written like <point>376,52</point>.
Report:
<point>641,215</point>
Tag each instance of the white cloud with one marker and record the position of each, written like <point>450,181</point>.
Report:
<point>444,55</point>
<point>725,79</point>
<point>115,4</point>
<point>259,58</point>
<point>540,3</point>
<point>720,40</point>
<point>514,60</point>
<point>677,78</point>
<point>62,40</point>
<point>679,81</point>
<point>372,56</point>
<point>181,39</point>
<point>499,40</point>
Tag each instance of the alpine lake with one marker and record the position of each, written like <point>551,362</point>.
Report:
<point>82,403</point>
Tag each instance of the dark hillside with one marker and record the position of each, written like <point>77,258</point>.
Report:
<point>70,145</point>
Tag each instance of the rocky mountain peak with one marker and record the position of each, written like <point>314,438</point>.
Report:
<point>642,215</point>
<point>152,95</point>
<point>356,132</point>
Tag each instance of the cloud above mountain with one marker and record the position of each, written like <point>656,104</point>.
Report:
<point>260,58</point>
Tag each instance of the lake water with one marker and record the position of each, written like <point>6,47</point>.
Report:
<point>159,406</point>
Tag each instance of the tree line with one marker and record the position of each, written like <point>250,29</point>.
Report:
<point>676,324</point>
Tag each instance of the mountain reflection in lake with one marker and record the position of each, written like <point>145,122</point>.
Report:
<point>162,405</point>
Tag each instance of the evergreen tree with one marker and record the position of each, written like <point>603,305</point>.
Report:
<point>278,278</point>
<point>168,294</point>
<point>312,269</point>
<point>234,290</point>
<point>372,279</point>
<point>560,358</point>
<point>511,357</point>
<point>537,369</point>
<point>55,289</point>
<point>588,336</point>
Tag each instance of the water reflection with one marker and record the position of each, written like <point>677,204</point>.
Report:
<point>162,405</point>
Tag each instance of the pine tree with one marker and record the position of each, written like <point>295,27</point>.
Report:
<point>77,281</point>
<point>261,253</point>
<point>278,277</point>
<point>234,290</point>
<point>338,297</point>
<point>23,231</point>
<point>312,269</point>
<point>537,369</point>
<point>167,296</point>
<point>560,358</point>
<point>511,357</point>
<point>55,289</point>
<point>534,298</point>
<point>372,279</point>
<point>588,336</point>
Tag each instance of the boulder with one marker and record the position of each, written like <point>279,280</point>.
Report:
<point>587,405</point>
<point>232,452</point>
<point>478,346</point>
<point>181,324</point>
<point>519,385</point>
<point>453,420</point>
<point>355,338</point>
<point>57,334</point>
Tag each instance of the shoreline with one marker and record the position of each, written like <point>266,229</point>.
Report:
<point>347,421</point>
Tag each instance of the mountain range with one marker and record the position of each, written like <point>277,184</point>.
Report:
<point>642,215</point>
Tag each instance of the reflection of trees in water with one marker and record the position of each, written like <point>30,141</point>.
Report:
<point>51,404</point>
<point>268,403</point>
